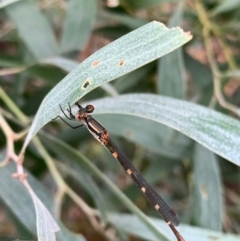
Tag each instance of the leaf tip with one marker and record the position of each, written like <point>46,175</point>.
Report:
<point>188,34</point>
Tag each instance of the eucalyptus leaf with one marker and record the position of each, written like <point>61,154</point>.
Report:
<point>46,225</point>
<point>217,132</point>
<point>171,70</point>
<point>33,29</point>
<point>68,65</point>
<point>129,52</point>
<point>207,192</point>
<point>226,6</point>
<point>78,24</point>
<point>171,80</point>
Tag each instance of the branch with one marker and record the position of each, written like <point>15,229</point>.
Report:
<point>207,28</point>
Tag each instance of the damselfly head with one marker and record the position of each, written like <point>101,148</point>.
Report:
<point>89,108</point>
<point>83,112</point>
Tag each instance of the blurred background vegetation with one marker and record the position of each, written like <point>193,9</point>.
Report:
<point>204,71</point>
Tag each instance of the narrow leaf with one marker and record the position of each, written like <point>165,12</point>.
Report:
<point>207,193</point>
<point>78,25</point>
<point>46,225</point>
<point>116,59</point>
<point>171,81</point>
<point>33,29</point>
<point>217,132</point>
<point>68,65</point>
<point>226,6</point>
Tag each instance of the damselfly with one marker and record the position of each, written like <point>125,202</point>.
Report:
<point>102,135</point>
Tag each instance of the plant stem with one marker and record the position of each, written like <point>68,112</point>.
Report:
<point>11,105</point>
<point>207,28</point>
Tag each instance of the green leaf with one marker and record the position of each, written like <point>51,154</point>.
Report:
<point>217,132</point>
<point>171,81</point>
<point>78,25</point>
<point>33,29</point>
<point>46,225</point>
<point>171,75</point>
<point>68,65</point>
<point>226,6</point>
<point>116,59</point>
<point>131,225</point>
<point>207,191</point>
<point>17,198</point>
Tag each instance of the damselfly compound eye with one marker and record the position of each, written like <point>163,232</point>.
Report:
<point>89,108</point>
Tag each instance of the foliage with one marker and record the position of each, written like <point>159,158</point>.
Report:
<point>176,117</point>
